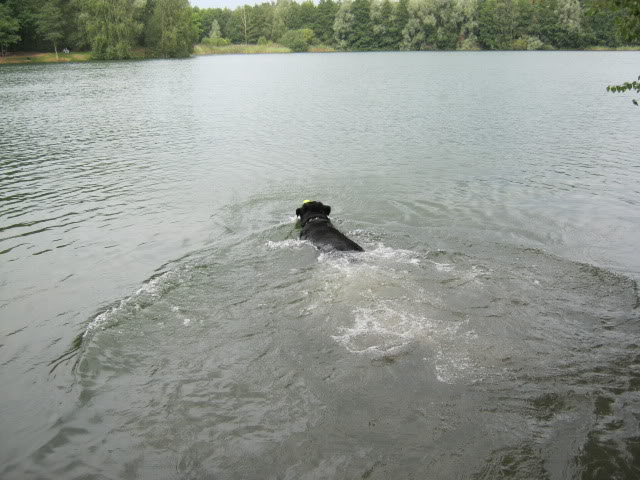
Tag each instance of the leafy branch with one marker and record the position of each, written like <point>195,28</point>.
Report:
<point>635,85</point>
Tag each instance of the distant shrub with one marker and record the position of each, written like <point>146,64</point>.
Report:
<point>263,41</point>
<point>528,43</point>
<point>297,40</point>
<point>216,42</point>
<point>469,43</point>
<point>534,43</point>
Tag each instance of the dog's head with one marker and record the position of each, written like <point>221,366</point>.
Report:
<point>309,207</point>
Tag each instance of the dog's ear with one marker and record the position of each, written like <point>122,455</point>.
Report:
<point>298,212</point>
<point>327,209</point>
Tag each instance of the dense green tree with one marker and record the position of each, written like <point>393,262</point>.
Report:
<point>343,25</point>
<point>237,27</point>
<point>502,22</point>
<point>401,19</point>
<point>260,22</point>
<point>203,20</point>
<point>170,31</point>
<point>51,24</point>
<point>26,12</point>
<point>246,24</point>
<point>627,16</point>
<point>353,27</point>
<point>111,27</point>
<point>215,39</point>
<point>298,40</point>
<point>293,20</point>
<point>599,26</point>
<point>278,19</point>
<point>307,14</point>
<point>560,23</point>
<point>215,30</point>
<point>383,20</point>
<point>325,16</point>
<point>223,16</point>
<point>9,27</point>
<point>439,24</point>
<point>361,37</point>
<point>197,25</point>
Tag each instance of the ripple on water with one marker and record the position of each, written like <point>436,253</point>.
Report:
<point>269,340</point>
<point>445,345</point>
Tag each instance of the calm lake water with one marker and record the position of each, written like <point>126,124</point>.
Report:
<point>160,319</point>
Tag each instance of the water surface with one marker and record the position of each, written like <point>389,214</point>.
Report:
<point>160,319</point>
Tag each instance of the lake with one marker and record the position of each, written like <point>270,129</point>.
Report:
<point>159,317</point>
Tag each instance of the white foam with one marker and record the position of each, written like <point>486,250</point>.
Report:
<point>443,267</point>
<point>379,255</point>
<point>288,221</point>
<point>380,330</point>
<point>286,244</point>
<point>186,322</point>
<point>451,368</point>
<point>396,254</point>
<point>389,328</point>
<point>476,273</point>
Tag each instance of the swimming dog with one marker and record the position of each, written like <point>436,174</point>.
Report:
<point>318,229</point>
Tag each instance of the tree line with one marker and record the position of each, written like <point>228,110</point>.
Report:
<point>421,24</point>
<point>169,28</point>
<point>111,29</point>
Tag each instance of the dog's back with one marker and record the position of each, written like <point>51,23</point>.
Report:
<point>318,229</point>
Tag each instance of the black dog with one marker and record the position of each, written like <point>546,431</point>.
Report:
<point>318,229</point>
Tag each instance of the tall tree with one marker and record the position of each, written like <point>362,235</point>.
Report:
<point>9,27</point>
<point>245,22</point>
<point>502,22</point>
<point>111,27</point>
<point>197,25</point>
<point>279,19</point>
<point>26,13</point>
<point>307,14</point>
<point>325,16</point>
<point>600,26</point>
<point>260,22</point>
<point>170,30</point>
<point>51,24</point>
<point>353,29</point>
<point>627,16</point>
<point>343,25</point>
<point>382,24</point>
<point>241,27</point>
<point>362,31</point>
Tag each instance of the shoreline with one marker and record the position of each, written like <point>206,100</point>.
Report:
<point>201,49</point>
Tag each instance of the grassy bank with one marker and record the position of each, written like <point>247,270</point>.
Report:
<point>200,49</point>
<point>321,49</point>
<point>139,54</point>
<point>617,49</point>
<point>39,57</point>
<point>204,49</point>
<point>29,57</point>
